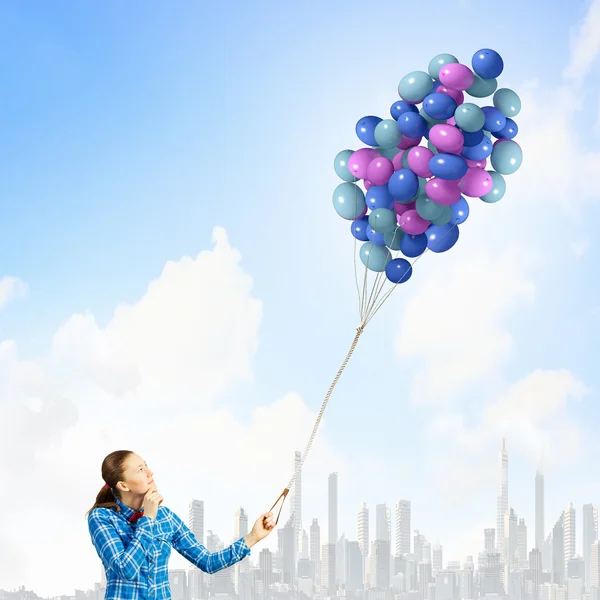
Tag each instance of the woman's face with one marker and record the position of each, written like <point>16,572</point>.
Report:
<point>137,477</point>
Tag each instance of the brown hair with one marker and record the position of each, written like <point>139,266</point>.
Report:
<point>112,473</point>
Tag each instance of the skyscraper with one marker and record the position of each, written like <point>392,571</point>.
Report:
<point>315,548</point>
<point>240,529</point>
<point>363,534</point>
<point>539,510</point>
<point>569,525</point>
<point>402,527</point>
<point>522,543</point>
<point>502,501</point>
<point>196,525</point>
<point>296,501</point>
<point>489,541</point>
<point>332,506</point>
<point>590,535</point>
<point>382,522</point>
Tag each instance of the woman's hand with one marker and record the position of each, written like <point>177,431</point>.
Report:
<point>152,500</point>
<point>261,529</point>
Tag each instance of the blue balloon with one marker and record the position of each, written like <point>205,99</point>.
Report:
<point>441,238</point>
<point>374,257</point>
<point>398,270</point>
<point>448,166</point>
<point>400,107</point>
<point>439,106</point>
<point>349,200</point>
<point>377,238</point>
<point>403,185</point>
<point>378,196</point>
<point>460,212</point>
<point>413,245</point>
<point>488,64</point>
<point>436,85</point>
<point>472,138</point>
<point>494,119</point>
<point>479,151</point>
<point>509,131</point>
<point>412,125</point>
<point>365,130</point>
<point>358,229</point>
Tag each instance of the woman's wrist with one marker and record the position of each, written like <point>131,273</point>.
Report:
<point>250,539</point>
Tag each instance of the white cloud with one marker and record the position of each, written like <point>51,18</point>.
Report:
<point>585,45</point>
<point>11,288</point>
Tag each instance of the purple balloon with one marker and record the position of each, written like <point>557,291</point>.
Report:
<point>359,161</point>
<point>418,161</point>
<point>413,223</point>
<point>402,208</point>
<point>476,183</point>
<point>407,142</point>
<point>380,170</point>
<point>456,76</point>
<point>443,191</point>
<point>367,184</point>
<point>397,160</point>
<point>446,138</point>
<point>456,95</point>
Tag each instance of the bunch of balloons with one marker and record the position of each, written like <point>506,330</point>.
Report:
<point>418,167</point>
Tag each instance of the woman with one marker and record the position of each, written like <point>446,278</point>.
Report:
<point>133,533</point>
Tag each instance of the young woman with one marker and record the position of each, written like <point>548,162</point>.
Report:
<point>133,533</point>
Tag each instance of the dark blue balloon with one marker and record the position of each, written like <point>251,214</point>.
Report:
<point>365,130</point>
<point>479,151</point>
<point>378,196</point>
<point>359,229</point>
<point>413,245</point>
<point>460,212</point>
<point>439,106</point>
<point>494,119</point>
<point>436,85</point>
<point>398,270</point>
<point>487,63</point>
<point>376,238</point>
<point>509,131</point>
<point>441,238</point>
<point>403,185</point>
<point>400,107</point>
<point>412,125</point>
<point>448,166</point>
<point>472,139</point>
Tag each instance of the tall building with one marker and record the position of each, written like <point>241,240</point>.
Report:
<point>296,501</point>
<point>328,569</point>
<point>196,525</point>
<point>510,539</point>
<point>539,510</point>
<point>354,567</point>
<point>332,509</point>
<point>315,548</point>
<point>489,540</point>
<point>570,530</point>
<point>590,535</point>
<point>595,566</point>
<point>402,527</point>
<point>522,543</point>
<point>535,568</point>
<point>265,564</point>
<point>381,564</point>
<point>558,552</point>
<point>382,522</point>
<point>288,551</point>
<point>363,536</point>
<point>437,561</point>
<point>502,500</point>
<point>240,529</point>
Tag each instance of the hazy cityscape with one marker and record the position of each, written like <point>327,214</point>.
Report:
<point>314,561</point>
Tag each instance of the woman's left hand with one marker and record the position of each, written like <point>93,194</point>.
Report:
<point>261,528</point>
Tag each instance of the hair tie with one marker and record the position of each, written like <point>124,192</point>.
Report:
<point>107,486</point>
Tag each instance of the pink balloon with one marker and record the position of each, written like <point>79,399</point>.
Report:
<point>443,191</point>
<point>402,208</point>
<point>418,160</point>
<point>359,161</point>
<point>407,142</point>
<point>364,212</point>
<point>476,183</point>
<point>457,95</point>
<point>413,223</point>
<point>451,121</point>
<point>477,163</point>
<point>367,184</point>
<point>380,170</point>
<point>446,138</point>
<point>456,76</point>
<point>397,160</point>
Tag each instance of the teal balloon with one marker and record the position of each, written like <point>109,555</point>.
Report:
<point>498,188</point>
<point>422,184</point>
<point>374,257</point>
<point>429,119</point>
<point>415,86</point>
<point>506,157</point>
<point>404,160</point>
<point>388,152</point>
<point>437,62</point>
<point>508,102</point>
<point>432,148</point>
<point>383,220</point>
<point>469,117</point>
<point>340,164</point>
<point>444,217</point>
<point>427,208</point>
<point>349,201</point>
<point>482,88</point>
<point>392,239</point>
<point>387,134</point>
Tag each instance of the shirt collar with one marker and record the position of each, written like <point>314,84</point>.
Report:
<point>126,511</point>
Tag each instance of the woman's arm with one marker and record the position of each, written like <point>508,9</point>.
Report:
<point>125,562</point>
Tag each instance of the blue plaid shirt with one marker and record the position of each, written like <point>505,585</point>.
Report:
<point>136,555</point>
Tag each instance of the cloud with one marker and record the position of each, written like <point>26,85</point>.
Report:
<point>585,45</point>
<point>11,288</point>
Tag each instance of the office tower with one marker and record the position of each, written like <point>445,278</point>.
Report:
<point>315,549</point>
<point>590,535</point>
<point>265,564</point>
<point>535,568</point>
<point>510,540</point>
<point>502,500</point>
<point>354,567</point>
<point>569,526</point>
<point>595,566</point>
<point>382,522</point>
<point>296,501</point>
<point>522,543</point>
<point>418,541</point>
<point>328,569</point>
<point>240,529</point>
<point>489,536</point>
<point>539,510</point>
<point>178,584</point>
<point>558,552</point>
<point>381,561</point>
<point>402,527</point>
<point>340,561</point>
<point>332,506</point>
<point>196,525</point>
<point>437,561</point>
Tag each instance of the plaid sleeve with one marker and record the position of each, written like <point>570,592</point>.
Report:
<point>189,547</point>
<point>124,562</point>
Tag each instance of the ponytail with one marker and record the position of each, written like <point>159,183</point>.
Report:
<point>112,472</point>
<point>105,499</point>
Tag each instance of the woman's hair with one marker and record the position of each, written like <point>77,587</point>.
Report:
<point>112,473</point>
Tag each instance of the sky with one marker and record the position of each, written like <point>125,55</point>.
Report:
<point>174,279</point>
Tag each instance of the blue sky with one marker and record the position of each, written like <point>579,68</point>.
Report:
<point>130,132</point>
